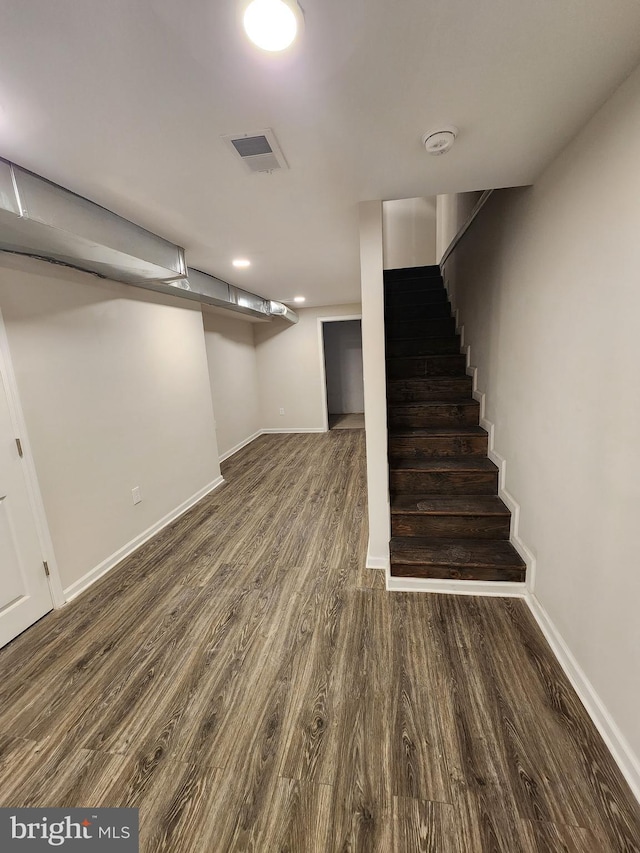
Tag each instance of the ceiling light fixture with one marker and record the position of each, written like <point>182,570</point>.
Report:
<point>272,24</point>
<point>299,299</point>
<point>241,262</point>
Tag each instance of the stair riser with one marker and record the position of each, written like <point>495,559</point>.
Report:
<point>418,390</point>
<point>441,445</point>
<point>450,415</point>
<point>413,285</point>
<point>411,272</point>
<point>444,482</point>
<point>420,299</point>
<point>401,570</point>
<point>427,346</point>
<point>410,368</point>
<point>451,526</point>
<point>404,313</point>
<point>404,397</point>
<point>436,327</point>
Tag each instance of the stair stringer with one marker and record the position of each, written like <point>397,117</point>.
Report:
<point>497,459</point>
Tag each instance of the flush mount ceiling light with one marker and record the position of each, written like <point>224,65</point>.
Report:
<point>241,262</point>
<point>440,141</point>
<point>272,24</point>
<point>299,299</point>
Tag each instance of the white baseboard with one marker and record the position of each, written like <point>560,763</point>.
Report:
<point>618,746</point>
<point>240,445</point>
<point>452,587</point>
<point>105,566</point>
<point>292,430</point>
<point>258,433</point>
<point>377,561</point>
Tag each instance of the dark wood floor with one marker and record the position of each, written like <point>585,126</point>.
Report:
<point>247,684</point>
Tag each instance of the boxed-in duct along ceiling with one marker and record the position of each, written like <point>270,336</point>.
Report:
<point>46,221</point>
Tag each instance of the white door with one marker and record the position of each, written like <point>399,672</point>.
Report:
<point>24,590</point>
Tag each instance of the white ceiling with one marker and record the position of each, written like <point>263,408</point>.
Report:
<point>126,102</point>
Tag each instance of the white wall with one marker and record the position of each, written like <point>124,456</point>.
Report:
<point>409,232</point>
<point>233,373</point>
<point>343,366</point>
<point>548,288</point>
<point>452,211</point>
<point>290,370</point>
<point>115,391</point>
<point>375,389</point>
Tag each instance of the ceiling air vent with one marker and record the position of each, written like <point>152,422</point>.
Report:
<point>258,151</point>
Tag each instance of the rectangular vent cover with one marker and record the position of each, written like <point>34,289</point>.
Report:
<point>250,146</point>
<point>258,151</point>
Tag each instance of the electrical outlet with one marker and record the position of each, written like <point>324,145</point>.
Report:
<point>282,411</point>
<point>135,494</point>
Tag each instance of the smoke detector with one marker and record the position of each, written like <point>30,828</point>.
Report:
<point>440,141</point>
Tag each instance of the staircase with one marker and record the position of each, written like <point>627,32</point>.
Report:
<point>447,520</point>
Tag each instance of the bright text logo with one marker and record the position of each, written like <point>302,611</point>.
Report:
<point>86,830</point>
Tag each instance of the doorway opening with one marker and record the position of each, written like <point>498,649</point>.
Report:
<point>343,392</point>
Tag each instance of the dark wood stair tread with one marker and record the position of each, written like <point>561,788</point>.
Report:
<point>417,284</point>
<point>419,328</point>
<point>432,404</point>
<point>417,339</point>
<point>448,463</point>
<point>456,555</point>
<point>408,442</point>
<point>429,365</point>
<point>438,345</point>
<point>415,298</point>
<point>428,311</point>
<point>413,272</point>
<point>445,355</point>
<point>422,389</point>
<point>433,413</point>
<point>416,383</point>
<point>432,432</point>
<point>467,505</point>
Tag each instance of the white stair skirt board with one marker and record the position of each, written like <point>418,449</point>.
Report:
<point>503,493</point>
<point>623,755</point>
<point>504,589</point>
<point>377,561</point>
<point>240,445</point>
<point>106,565</point>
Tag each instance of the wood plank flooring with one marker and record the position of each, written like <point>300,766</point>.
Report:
<point>351,420</point>
<point>248,685</point>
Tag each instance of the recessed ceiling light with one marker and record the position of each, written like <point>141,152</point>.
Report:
<point>241,262</point>
<point>272,24</point>
<point>299,299</point>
